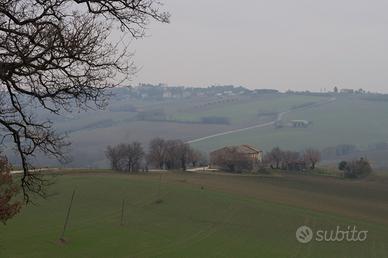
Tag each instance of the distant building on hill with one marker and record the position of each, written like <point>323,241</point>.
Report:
<point>300,123</point>
<point>347,91</point>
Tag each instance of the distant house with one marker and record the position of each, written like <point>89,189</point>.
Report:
<point>236,157</point>
<point>300,123</point>
<point>167,94</point>
<point>347,91</point>
<point>294,124</point>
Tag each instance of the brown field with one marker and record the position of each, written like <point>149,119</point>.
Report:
<point>357,199</point>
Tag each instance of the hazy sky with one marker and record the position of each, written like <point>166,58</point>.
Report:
<point>283,44</point>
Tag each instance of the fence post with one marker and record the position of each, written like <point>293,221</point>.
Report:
<point>160,183</point>
<point>122,213</point>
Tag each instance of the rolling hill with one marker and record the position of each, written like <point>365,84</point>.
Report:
<point>359,120</point>
<point>348,120</point>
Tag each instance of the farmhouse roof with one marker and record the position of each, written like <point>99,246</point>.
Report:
<point>251,148</point>
<point>244,148</point>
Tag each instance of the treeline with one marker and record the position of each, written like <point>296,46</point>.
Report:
<point>126,157</point>
<point>292,160</point>
<point>162,154</point>
<point>232,160</point>
<point>308,159</point>
<point>348,149</point>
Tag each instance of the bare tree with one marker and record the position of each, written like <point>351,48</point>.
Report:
<point>176,155</point>
<point>113,154</point>
<point>137,154</point>
<point>57,54</point>
<point>157,153</point>
<point>312,157</point>
<point>126,157</point>
<point>290,159</point>
<point>183,151</point>
<point>274,157</point>
<point>172,154</point>
<point>195,156</point>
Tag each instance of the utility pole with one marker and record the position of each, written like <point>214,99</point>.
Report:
<point>67,217</point>
<point>160,183</point>
<point>122,213</point>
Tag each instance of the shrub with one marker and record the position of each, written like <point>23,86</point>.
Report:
<point>263,171</point>
<point>356,169</point>
<point>8,190</point>
<point>342,165</point>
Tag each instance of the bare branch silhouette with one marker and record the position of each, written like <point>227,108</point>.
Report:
<point>57,55</point>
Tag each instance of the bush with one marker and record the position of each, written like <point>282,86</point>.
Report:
<point>356,169</point>
<point>342,165</point>
<point>8,191</point>
<point>263,171</point>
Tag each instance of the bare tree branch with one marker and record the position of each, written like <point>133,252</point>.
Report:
<point>57,55</point>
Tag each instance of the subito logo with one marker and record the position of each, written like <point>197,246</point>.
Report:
<point>304,234</point>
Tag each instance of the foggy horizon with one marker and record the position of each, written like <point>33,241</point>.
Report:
<point>256,44</point>
<point>125,125</point>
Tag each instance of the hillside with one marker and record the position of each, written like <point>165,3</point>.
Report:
<point>353,119</point>
<point>349,120</point>
<point>127,119</point>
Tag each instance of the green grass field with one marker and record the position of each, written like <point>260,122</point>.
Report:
<point>232,216</point>
<point>247,111</point>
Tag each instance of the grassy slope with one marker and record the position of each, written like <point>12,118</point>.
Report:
<point>349,120</point>
<point>232,217</point>
<point>247,111</point>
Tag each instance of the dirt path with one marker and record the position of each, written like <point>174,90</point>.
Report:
<point>278,118</point>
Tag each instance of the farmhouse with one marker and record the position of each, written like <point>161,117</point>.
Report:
<point>347,91</point>
<point>236,157</point>
<point>300,123</point>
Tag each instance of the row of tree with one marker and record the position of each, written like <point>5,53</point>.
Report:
<point>292,160</point>
<point>126,157</point>
<point>162,154</point>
